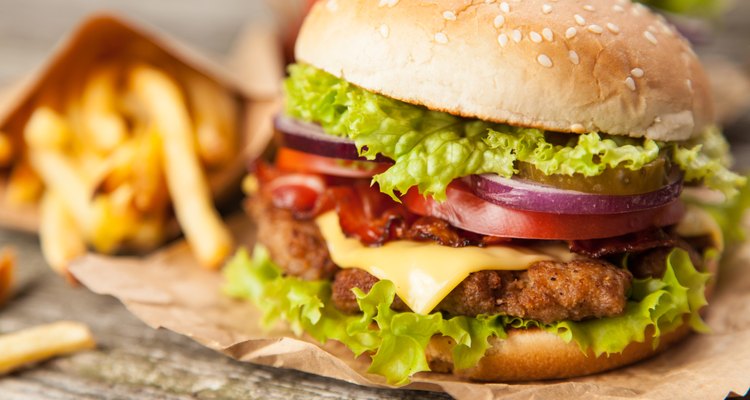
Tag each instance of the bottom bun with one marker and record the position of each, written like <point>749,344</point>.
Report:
<point>533,354</point>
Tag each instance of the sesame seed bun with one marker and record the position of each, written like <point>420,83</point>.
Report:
<point>567,66</point>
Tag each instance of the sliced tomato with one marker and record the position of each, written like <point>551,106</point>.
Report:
<point>298,192</point>
<point>463,209</point>
<point>293,160</point>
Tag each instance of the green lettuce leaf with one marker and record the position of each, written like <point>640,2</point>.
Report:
<point>728,214</point>
<point>396,341</point>
<point>701,8</point>
<point>707,159</point>
<point>431,148</point>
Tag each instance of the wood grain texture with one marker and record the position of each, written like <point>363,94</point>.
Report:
<point>133,360</point>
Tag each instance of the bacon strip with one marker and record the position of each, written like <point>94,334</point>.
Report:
<point>632,243</point>
<point>364,212</point>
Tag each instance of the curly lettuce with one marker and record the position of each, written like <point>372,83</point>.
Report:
<point>702,8</point>
<point>430,149</point>
<point>707,159</point>
<point>397,341</point>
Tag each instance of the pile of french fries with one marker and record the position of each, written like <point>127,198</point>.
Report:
<point>114,160</point>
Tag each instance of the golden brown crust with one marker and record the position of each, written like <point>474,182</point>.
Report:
<point>574,66</point>
<point>536,355</point>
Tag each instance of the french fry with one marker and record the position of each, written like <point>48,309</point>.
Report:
<point>215,116</point>
<point>118,168</point>
<point>7,273</point>
<point>24,186</point>
<point>103,124</point>
<point>148,175</point>
<point>60,237</point>
<point>148,231</point>
<point>46,129</point>
<point>186,182</point>
<point>6,150</point>
<point>114,219</point>
<point>43,342</point>
<point>59,174</point>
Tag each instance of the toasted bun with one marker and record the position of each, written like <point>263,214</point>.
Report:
<point>573,66</point>
<point>535,355</point>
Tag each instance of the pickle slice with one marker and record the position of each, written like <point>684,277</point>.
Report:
<point>619,181</point>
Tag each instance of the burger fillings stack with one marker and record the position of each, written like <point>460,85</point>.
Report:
<point>492,189</point>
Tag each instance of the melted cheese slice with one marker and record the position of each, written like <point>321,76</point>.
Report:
<point>425,272</point>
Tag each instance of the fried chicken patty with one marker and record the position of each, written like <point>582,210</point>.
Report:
<point>548,291</point>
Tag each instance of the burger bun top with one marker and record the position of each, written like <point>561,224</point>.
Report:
<point>568,66</point>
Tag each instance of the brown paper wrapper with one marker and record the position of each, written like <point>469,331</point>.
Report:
<point>106,37</point>
<point>169,290</point>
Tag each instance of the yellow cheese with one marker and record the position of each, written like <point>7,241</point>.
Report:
<point>425,272</point>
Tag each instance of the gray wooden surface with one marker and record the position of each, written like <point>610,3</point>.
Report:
<point>132,360</point>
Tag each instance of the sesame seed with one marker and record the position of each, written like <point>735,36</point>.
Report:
<point>332,5</point>
<point>690,85</point>
<point>595,29</point>
<point>535,37</point>
<point>577,128</point>
<point>548,35</point>
<point>441,37</point>
<point>574,57</point>
<point>499,21</point>
<point>516,35</point>
<point>544,60</point>
<point>588,7</point>
<point>384,30</point>
<point>546,8</point>
<point>571,32</point>
<point>650,37</point>
<point>389,3</point>
<point>630,83</point>
<point>618,8</point>
<point>580,20</point>
<point>502,39</point>
<point>449,15</point>
<point>652,29</point>
<point>637,72</point>
<point>613,28</point>
<point>505,7</point>
<point>665,28</point>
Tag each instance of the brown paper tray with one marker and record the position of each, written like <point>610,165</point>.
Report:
<point>169,290</point>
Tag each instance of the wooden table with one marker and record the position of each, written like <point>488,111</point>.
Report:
<point>133,360</point>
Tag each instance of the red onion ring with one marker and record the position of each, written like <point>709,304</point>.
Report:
<point>524,195</point>
<point>310,138</point>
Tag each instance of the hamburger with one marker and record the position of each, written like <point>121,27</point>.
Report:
<point>490,189</point>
